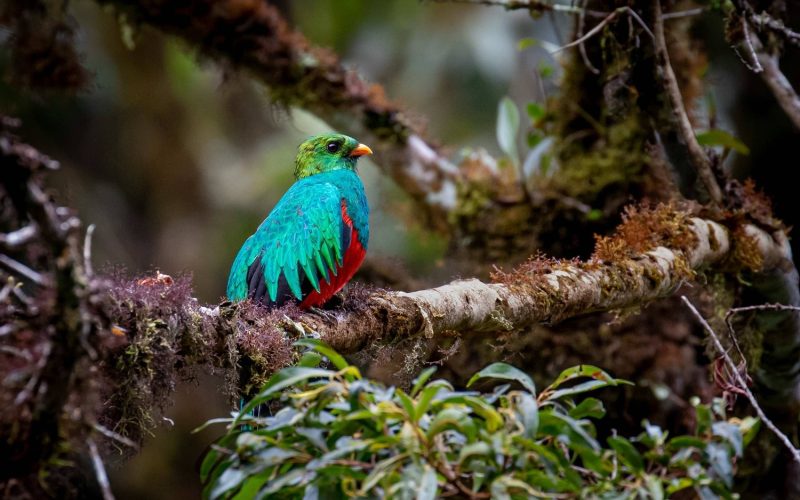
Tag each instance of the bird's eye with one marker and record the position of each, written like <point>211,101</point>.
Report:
<point>333,147</point>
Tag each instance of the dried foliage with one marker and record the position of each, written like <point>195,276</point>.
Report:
<point>643,229</point>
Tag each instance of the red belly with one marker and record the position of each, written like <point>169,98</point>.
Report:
<point>353,257</point>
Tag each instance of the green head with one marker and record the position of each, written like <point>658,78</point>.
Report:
<point>326,153</point>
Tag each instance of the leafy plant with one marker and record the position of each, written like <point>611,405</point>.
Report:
<point>508,128</point>
<point>339,435</point>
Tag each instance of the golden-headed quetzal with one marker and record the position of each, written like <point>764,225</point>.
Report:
<point>315,238</point>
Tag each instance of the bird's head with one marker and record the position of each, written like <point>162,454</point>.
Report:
<point>326,153</point>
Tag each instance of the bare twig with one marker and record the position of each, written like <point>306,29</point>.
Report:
<point>742,384</point>
<point>762,307</point>
<point>683,13</point>
<point>596,29</point>
<point>698,157</point>
<point>16,239</point>
<point>115,436</point>
<point>777,26</point>
<point>765,20</point>
<point>780,86</point>
<point>87,251</point>
<point>754,65</point>
<point>100,470</point>
<point>767,64</point>
<point>22,270</point>
<point>582,47</point>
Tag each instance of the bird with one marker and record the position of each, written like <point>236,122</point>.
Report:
<point>311,243</point>
<point>315,238</point>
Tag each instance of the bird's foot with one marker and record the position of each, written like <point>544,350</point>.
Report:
<point>335,302</point>
<point>329,315</point>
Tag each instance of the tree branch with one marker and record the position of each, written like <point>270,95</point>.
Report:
<point>698,157</point>
<point>548,292</point>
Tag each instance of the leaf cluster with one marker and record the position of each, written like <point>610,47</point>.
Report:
<point>340,435</point>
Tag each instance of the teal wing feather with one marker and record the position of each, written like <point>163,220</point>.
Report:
<point>298,245</point>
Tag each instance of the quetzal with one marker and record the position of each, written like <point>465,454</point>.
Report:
<point>315,238</point>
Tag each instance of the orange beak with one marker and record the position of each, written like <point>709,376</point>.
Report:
<point>360,150</point>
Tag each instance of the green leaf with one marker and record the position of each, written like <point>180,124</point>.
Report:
<point>556,424</point>
<point>717,137</point>
<point>287,377</point>
<point>381,470</point>
<point>535,111</point>
<point>588,386</point>
<point>479,449</point>
<point>678,484</point>
<point>730,433</point>
<point>585,371</point>
<point>654,487</point>
<point>703,417</point>
<point>453,418</point>
<point>526,43</point>
<point>493,419</point>
<point>292,478</point>
<point>508,128</point>
<point>505,371</point>
<point>427,395</point>
<point>310,359</point>
<point>251,487</point>
<point>680,442</point>
<point>627,452</point>
<point>421,379</point>
<point>589,407</point>
<point>594,214</point>
<point>720,460</point>
<point>501,486</point>
<point>749,427</point>
<point>229,480</point>
<point>428,485</point>
<point>407,403</point>
<point>528,412</point>
<point>321,347</point>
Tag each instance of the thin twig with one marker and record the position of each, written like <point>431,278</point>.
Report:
<point>611,16</point>
<point>698,157</point>
<point>740,380</point>
<point>22,270</point>
<point>775,25</point>
<point>756,65</point>
<point>762,307</point>
<point>100,470</point>
<point>781,87</point>
<point>738,310</point>
<point>87,251</point>
<point>582,47</point>
<point>683,13</point>
<point>115,436</point>
<point>590,33</point>
<point>17,238</point>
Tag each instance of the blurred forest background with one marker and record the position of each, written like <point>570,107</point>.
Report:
<point>176,160</point>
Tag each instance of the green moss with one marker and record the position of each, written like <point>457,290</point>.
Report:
<point>617,159</point>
